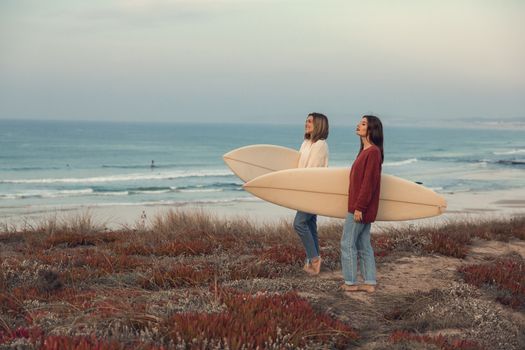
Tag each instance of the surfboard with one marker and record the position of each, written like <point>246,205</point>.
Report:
<point>324,191</point>
<point>252,161</point>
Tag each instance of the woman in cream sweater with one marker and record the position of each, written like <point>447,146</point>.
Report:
<point>314,153</point>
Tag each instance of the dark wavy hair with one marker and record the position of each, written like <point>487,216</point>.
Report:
<point>320,127</point>
<point>375,133</point>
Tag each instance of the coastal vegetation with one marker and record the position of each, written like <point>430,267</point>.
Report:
<point>189,280</point>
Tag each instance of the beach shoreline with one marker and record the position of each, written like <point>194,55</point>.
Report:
<point>463,205</point>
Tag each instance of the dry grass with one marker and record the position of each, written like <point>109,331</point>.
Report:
<point>76,285</point>
<point>439,342</point>
<point>504,277</point>
<point>453,238</point>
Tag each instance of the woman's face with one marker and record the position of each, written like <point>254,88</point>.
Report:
<point>309,125</point>
<point>362,128</point>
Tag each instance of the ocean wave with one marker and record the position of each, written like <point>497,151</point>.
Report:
<point>121,178</point>
<point>103,189</point>
<point>478,162</point>
<point>29,168</point>
<point>129,191</point>
<point>401,162</point>
<point>149,192</point>
<point>216,185</point>
<point>513,151</point>
<point>481,163</point>
<point>47,194</point>
<point>511,162</point>
<point>506,162</point>
<point>112,193</point>
<point>201,190</point>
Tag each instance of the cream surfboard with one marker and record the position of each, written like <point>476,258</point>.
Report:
<point>252,161</point>
<point>324,191</point>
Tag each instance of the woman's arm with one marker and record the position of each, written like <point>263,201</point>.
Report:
<point>371,180</point>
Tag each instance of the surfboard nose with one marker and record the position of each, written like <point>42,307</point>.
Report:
<point>227,155</point>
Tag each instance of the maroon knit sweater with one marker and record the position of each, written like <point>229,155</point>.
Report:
<point>365,183</point>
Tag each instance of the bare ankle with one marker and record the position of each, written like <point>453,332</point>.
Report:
<point>316,265</point>
<point>369,288</point>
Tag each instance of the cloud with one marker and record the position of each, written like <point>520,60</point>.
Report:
<point>243,56</point>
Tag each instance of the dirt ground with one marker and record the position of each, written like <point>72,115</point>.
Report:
<point>421,293</point>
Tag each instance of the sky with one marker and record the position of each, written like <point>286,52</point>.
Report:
<point>263,61</point>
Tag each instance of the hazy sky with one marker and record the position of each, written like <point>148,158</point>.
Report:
<point>261,60</point>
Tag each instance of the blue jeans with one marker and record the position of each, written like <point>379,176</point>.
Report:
<point>355,243</point>
<point>306,227</point>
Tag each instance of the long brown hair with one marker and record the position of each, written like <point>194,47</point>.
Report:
<point>374,133</point>
<point>320,127</point>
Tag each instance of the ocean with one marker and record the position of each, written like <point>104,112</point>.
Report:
<point>46,165</point>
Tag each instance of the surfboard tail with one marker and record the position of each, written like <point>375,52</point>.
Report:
<point>250,162</point>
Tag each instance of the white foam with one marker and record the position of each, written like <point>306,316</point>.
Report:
<point>401,162</point>
<point>47,194</point>
<point>514,151</point>
<point>202,190</point>
<point>481,164</point>
<point>125,177</point>
<point>112,193</point>
<point>150,192</point>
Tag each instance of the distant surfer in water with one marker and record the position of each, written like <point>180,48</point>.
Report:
<point>363,203</point>
<point>314,153</point>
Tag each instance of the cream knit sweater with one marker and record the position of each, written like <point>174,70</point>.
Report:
<point>313,154</point>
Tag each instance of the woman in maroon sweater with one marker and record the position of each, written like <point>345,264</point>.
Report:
<point>363,202</point>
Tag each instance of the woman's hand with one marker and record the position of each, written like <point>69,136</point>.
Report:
<point>358,216</point>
